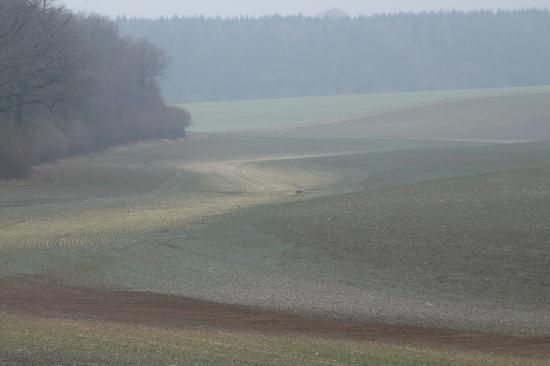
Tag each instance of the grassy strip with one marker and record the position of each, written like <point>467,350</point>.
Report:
<point>268,113</point>
<point>31,341</point>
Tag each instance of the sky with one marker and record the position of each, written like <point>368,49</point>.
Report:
<point>228,8</point>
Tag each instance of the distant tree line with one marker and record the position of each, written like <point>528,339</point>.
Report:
<point>215,58</point>
<point>71,84</point>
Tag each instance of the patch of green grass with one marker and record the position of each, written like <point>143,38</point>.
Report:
<point>269,113</point>
<point>31,341</point>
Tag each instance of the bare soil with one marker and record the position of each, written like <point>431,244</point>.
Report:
<point>44,298</point>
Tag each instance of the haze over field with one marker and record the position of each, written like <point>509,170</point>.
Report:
<point>225,8</point>
<point>278,57</point>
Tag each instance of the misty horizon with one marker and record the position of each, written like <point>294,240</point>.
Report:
<point>212,8</point>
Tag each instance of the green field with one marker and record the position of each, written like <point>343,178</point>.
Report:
<point>446,233</point>
<point>31,341</point>
<point>274,113</point>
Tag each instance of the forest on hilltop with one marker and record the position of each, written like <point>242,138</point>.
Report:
<point>284,56</point>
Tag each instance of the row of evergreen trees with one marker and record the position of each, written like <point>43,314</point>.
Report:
<point>215,58</point>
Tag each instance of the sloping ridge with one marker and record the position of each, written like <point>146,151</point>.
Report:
<point>511,118</point>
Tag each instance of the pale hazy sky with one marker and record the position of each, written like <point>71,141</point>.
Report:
<point>155,8</point>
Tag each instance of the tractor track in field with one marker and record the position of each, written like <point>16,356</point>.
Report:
<point>248,175</point>
<point>87,221</point>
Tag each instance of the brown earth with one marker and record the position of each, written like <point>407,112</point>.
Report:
<point>45,298</point>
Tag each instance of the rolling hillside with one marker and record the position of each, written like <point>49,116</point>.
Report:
<point>277,113</point>
<point>301,246</point>
<point>505,118</point>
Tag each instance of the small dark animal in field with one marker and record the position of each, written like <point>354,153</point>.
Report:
<point>300,191</point>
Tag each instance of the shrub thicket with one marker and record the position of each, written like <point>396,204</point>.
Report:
<point>71,84</point>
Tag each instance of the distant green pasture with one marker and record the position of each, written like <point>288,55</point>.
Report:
<point>272,113</point>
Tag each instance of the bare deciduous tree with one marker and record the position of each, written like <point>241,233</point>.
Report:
<point>70,84</point>
<point>39,55</point>
<point>150,63</point>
